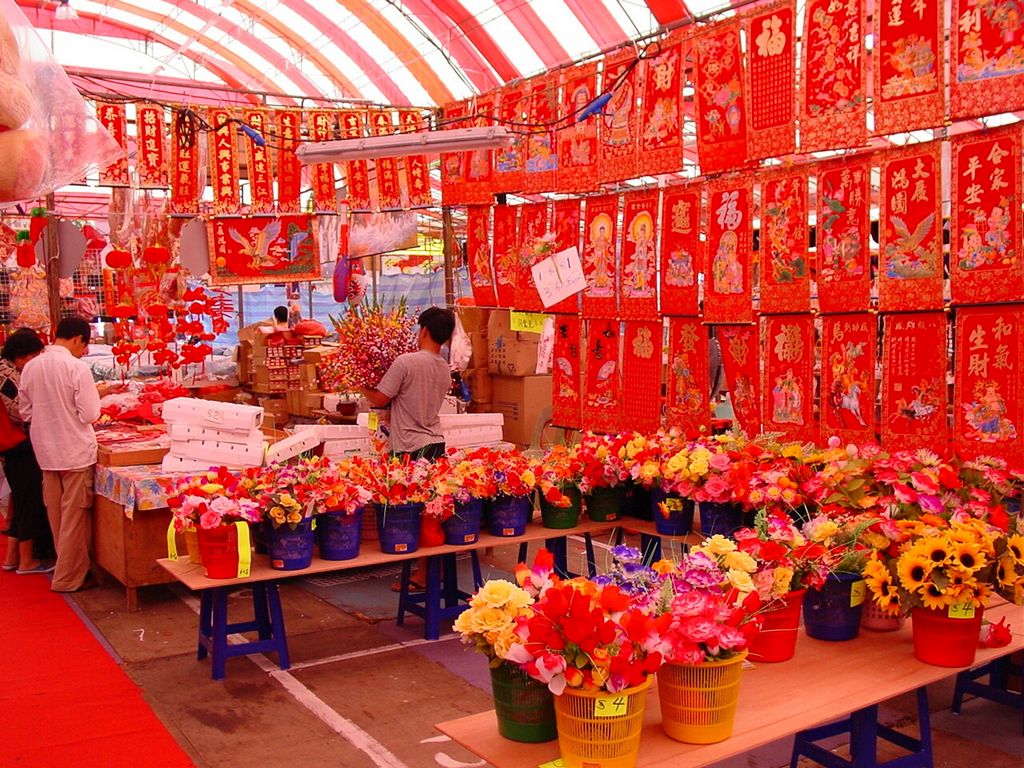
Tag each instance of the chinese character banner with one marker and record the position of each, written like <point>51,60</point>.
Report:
<point>263,249</point>
<point>619,125</point>
<point>848,358</point>
<point>151,147</point>
<point>506,254</point>
<point>602,403</point>
<point>224,174</point>
<point>682,251</point>
<point>687,402</point>
<point>785,275</point>
<point>566,375</point>
<point>741,361</point>
<point>478,254</point>
<point>577,143</point>
<point>320,127</point>
<point>661,135</point>
<point>288,124</point>
<point>727,293</point>
<point>453,178</point>
<point>567,235</point>
<point>541,147</point>
<point>533,225</point>
<point>843,231</point>
<point>600,234</point>
<point>389,188</point>
<point>259,163</point>
<point>771,79</point>
<point>914,398</point>
<point>987,52</point>
<point>641,374</point>
<point>788,386</point>
<point>357,172</point>
<point>417,170</point>
<point>720,98</point>
<point>113,118</point>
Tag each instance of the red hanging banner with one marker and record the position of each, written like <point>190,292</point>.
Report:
<point>151,154</point>
<point>259,163</point>
<point>577,143</point>
<point>833,101</point>
<point>785,275</point>
<point>389,187</point>
<point>601,215</point>
<point>988,403</point>
<point>721,103</point>
<point>320,127</point>
<point>661,133</point>
<point>687,405</point>
<point>223,163</point>
<point>510,160</point>
<point>843,229</point>
<point>620,119</point>
<point>184,173</point>
<point>788,386</point>
<point>641,374</point>
<point>357,172</point>
<point>506,254</point>
<point>478,253</point>
<point>602,400</point>
<point>112,117</point>
<point>453,164</point>
<point>727,294</point>
<point>478,164</point>
<point>914,382</point>
<point>986,49</point>
<point>417,171</point>
<point>909,65</point>
<point>566,377</point>
<point>638,285</point>
<point>682,252</point>
<point>985,235</point>
<point>741,362</point>
<point>541,150</point>
<point>533,225</point>
<point>263,249</point>
<point>566,227</point>
<point>288,123</point>
<point>771,80</point>
<point>910,229</point>
<point>848,358</point>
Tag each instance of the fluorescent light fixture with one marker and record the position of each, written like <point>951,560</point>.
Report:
<point>65,12</point>
<point>396,145</point>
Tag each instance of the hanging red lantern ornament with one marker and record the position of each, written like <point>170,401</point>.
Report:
<point>37,224</point>
<point>124,311</point>
<point>119,259</point>
<point>25,250</point>
<point>156,255</point>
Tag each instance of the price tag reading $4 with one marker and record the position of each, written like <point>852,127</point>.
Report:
<point>961,611</point>
<point>610,706</point>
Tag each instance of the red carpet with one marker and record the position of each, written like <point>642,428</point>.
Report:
<point>63,699</point>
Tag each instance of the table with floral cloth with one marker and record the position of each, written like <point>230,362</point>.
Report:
<point>135,487</point>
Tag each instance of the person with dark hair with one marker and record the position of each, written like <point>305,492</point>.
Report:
<point>60,399</point>
<point>415,386</point>
<point>28,531</point>
<point>280,319</point>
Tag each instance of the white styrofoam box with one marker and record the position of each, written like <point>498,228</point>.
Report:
<point>172,463</point>
<point>471,420</point>
<point>292,446</point>
<point>468,430</point>
<point>195,432</point>
<point>228,454</point>
<point>335,431</point>
<point>336,449</point>
<point>209,413</point>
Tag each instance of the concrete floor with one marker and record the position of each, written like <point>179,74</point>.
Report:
<point>365,692</point>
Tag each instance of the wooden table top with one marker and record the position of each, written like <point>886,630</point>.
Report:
<point>824,682</point>
<point>191,575</point>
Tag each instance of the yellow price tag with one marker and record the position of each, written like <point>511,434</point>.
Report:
<point>961,611</point>
<point>674,504</point>
<point>172,545</point>
<point>527,322</point>
<point>558,763</point>
<point>610,706</point>
<point>244,551</point>
<point>858,593</point>
<point>372,421</point>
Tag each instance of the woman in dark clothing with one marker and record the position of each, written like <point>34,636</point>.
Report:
<point>28,530</point>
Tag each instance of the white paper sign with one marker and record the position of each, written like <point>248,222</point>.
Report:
<point>559,276</point>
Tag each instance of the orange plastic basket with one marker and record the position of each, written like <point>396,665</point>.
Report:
<point>698,702</point>
<point>597,729</point>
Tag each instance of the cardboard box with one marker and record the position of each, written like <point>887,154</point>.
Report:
<point>479,382</point>
<point>474,319</point>
<point>507,356</point>
<point>244,362</point>
<point>275,409</point>
<point>525,402</point>
<point>476,407</point>
<point>303,403</point>
<point>128,455</point>
<point>227,395</point>
<point>478,342</point>
<point>173,463</point>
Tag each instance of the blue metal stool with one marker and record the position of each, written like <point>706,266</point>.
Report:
<point>997,688</point>
<point>442,584</point>
<point>865,730</point>
<point>214,629</point>
<point>558,547</point>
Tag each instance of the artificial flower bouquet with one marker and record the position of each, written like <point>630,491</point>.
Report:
<point>209,500</point>
<point>344,495</point>
<point>489,622</point>
<point>644,455</point>
<point>915,483</point>
<point>370,338</point>
<point>991,491</point>
<point>786,560</point>
<point>842,481</point>
<point>561,467</point>
<point>604,460</point>
<point>513,473</point>
<point>393,481</point>
<point>460,476</point>
<point>843,538</point>
<point>1010,567</point>
<point>296,491</point>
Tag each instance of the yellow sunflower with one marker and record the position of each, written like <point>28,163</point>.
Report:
<point>936,550</point>
<point>934,597</point>
<point>1015,547</point>
<point>913,568</point>
<point>967,555</point>
<point>1006,572</point>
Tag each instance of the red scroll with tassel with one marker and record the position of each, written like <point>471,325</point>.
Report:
<point>727,294</point>
<point>478,253</point>
<point>848,358</point>
<point>566,376</point>
<point>740,360</point>
<point>638,281</point>
<point>602,393</point>
<point>687,401</point>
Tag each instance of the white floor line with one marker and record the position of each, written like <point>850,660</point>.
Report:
<point>345,728</point>
<point>369,652</point>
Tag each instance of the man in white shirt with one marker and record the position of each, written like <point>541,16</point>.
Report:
<point>61,401</point>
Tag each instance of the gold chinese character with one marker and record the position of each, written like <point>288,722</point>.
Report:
<point>920,191</point>
<point>1002,357</point>
<point>978,365</point>
<point>972,195</point>
<point>900,180</point>
<point>978,339</point>
<point>789,344</point>
<point>898,203</point>
<point>996,154</point>
<point>1001,328</point>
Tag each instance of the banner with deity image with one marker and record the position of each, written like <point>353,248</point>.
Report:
<point>910,229</point>
<point>541,149</point>
<point>619,126</point>
<point>641,374</point>
<point>987,399</point>
<point>788,386</point>
<point>638,282</point>
<point>833,98</point>
<point>566,374</point>
<point>602,391</point>
<point>600,234</point>
<point>577,143</point>
<point>848,357</point>
<point>914,396</point>
<point>682,251</point>
<point>842,236</point>
<point>785,273</point>
<point>566,227</point>
<point>909,65</point>
<point>771,80</point>
<point>987,53</point>
<point>478,254</point>
<point>506,254</point>
<point>510,159</point>
<point>720,100</point>
<point>741,362</point>
<point>687,395</point>
<point>727,294</point>
<point>985,233</point>
<point>532,247</point>
<point>661,132</point>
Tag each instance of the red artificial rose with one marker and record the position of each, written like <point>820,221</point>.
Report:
<point>995,635</point>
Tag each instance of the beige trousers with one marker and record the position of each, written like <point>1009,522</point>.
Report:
<point>68,498</point>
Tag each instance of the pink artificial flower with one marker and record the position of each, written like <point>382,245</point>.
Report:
<point>904,493</point>
<point>924,483</point>
<point>719,462</point>
<point>209,519</point>
<point>717,488</point>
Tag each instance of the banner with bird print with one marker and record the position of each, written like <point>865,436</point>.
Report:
<point>602,400</point>
<point>263,249</point>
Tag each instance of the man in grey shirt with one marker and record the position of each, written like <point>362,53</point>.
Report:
<point>415,386</point>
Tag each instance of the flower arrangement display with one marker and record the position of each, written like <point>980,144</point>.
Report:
<point>915,483</point>
<point>513,473</point>
<point>1010,567</point>
<point>988,485</point>
<point>370,338</point>
<point>295,492</point>
<point>776,478</point>
<point>786,560</point>
<point>210,500</point>
<point>604,460</point>
<point>461,476</point>
<point>842,539</point>
<point>391,481</point>
<point>644,455</point>
<point>490,621</point>
<point>343,495</point>
<point>560,467</point>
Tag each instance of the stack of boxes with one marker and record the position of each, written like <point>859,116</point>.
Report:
<point>477,376</point>
<point>205,433</point>
<point>518,393</point>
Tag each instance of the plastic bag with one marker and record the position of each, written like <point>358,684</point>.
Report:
<point>48,134</point>
<point>461,350</point>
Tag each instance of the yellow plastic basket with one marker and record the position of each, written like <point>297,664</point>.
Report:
<point>597,729</point>
<point>698,702</point>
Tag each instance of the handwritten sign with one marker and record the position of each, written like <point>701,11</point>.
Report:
<point>372,421</point>
<point>559,276</point>
<point>610,706</point>
<point>858,592</point>
<point>961,611</point>
<point>244,551</point>
<point>527,322</point>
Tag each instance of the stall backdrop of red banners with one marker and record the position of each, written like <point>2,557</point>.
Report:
<point>787,388</point>
<point>849,355</point>
<point>771,72</point>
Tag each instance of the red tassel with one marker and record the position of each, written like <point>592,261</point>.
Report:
<point>26,250</point>
<point>37,224</point>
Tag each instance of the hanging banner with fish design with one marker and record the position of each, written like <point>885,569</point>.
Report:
<point>602,392</point>
<point>566,376</point>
